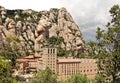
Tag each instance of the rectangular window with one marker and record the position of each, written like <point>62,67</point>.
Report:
<point>48,50</point>
<point>53,50</point>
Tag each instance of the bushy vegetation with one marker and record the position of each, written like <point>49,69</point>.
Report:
<point>11,13</point>
<point>4,69</point>
<point>55,12</point>
<point>55,41</point>
<point>5,72</point>
<point>62,52</point>
<point>23,16</point>
<point>78,79</point>
<point>45,76</point>
<point>107,49</point>
<point>11,49</point>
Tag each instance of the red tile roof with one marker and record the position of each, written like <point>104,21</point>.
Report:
<point>29,57</point>
<point>21,60</point>
<point>26,60</point>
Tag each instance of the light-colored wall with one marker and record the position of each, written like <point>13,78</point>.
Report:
<point>63,67</point>
<point>87,67</point>
<point>50,58</point>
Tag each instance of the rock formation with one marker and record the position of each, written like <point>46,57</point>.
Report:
<point>32,27</point>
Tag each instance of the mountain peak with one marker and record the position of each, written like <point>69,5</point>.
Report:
<point>32,26</point>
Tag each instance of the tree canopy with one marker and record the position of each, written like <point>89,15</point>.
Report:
<point>78,79</point>
<point>107,49</point>
<point>11,49</point>
<point>45,76</point>
<point>5,72</point>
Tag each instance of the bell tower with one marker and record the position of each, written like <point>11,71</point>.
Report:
<point>50,58</point>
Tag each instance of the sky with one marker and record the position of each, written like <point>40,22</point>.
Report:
<point>88,14</point>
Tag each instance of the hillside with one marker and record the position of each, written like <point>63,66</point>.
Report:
<point>38,27</point>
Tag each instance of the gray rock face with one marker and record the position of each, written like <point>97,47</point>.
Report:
<point>32,27</point>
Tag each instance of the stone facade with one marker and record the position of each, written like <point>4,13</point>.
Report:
<point>63,67</point>
<point>68,67</point>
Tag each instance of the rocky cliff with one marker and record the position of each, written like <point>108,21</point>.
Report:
<point>32,26</point>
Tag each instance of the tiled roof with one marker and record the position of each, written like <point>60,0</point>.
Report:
<point>21,60</point>
<point>26,60</point>
<point>29,57</point>
<point>31,60</point>
<point>32,56</point>
<point>38,56</point>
